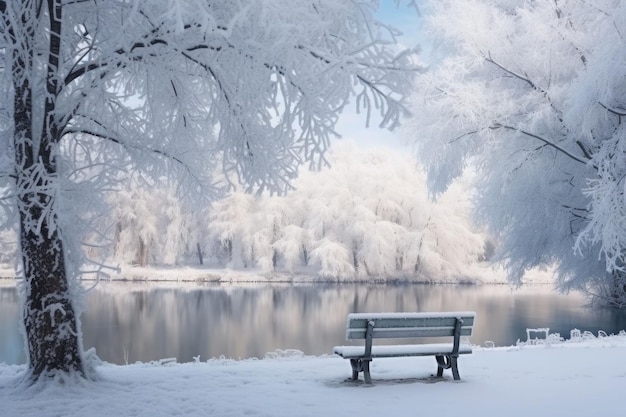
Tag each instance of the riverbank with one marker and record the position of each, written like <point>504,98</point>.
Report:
<point>584,376</point>
<point>483,274</point>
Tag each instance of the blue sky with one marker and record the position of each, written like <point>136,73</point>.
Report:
<point>351,125</point>
<point>403,16</point>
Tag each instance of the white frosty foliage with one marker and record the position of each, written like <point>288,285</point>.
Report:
<point>291,244</point>
<point>368,216</point>
<point>531,96</point>
<point>333,259</point>
<point>598,111</point>
<point>94,92</point>
<point>249,88</point>
<point>153,225</point>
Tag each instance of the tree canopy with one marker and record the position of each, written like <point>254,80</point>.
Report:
<point>95,91</point>
<point>531,96</point>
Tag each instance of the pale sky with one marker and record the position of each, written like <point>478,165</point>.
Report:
<point>351,125</point>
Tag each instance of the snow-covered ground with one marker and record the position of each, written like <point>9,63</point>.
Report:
<point>582,377</point>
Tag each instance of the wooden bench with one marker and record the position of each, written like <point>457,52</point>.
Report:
<point>369,326</point>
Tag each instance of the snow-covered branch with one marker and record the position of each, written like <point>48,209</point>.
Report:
<point>544,140</point>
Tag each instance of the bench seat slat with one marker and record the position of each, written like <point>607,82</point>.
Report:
<point>382,351</point>
<point>408,322</point>
<point>407,332</point>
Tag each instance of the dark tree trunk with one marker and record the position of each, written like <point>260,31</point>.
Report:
<point>49,316</point>
<point>52,330</point>
<point>200,257</point>
<point>142,253</point>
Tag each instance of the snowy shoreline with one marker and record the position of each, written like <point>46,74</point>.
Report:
<point>186,275</point>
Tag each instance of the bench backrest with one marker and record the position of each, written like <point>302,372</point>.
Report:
<point>408,325</point>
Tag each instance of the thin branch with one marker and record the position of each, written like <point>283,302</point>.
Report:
<point>461,136</point>
<point>584,149</point>
<point>124,144</point>
<point>386,97</point>
<point>534,86</point>
<point>544,140</point>
<point>82,70</point>
<point>617,112</point>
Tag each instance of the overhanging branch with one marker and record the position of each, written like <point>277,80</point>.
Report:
<point>124,144</point>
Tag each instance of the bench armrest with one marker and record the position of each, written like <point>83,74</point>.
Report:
<point>457,336</point>
<point>368,339</point>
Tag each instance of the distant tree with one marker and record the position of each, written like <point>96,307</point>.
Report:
<point>93,90</point>
<point>232,227</point>
<point>530,95</point>
<point>152,226</point>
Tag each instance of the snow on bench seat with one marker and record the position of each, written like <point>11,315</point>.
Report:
<point>392,351</point>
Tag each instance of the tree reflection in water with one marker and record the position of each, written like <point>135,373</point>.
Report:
<point>132,322</point>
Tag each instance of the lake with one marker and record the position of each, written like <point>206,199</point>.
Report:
<point>129,322</point>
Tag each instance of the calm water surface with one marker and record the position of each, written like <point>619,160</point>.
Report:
<point>133,322</point>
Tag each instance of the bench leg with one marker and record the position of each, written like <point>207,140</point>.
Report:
<point>361,365</point>
<point>366,372</point>
<point>355,369</point>
<point>441,365</point>
<point>455,368</point>
<point>448,362</point>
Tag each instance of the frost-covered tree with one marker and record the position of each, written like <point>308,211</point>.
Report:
<point>231,228</point>
<point>153,226</point>
<point>93,90</point>
<point>530,94</point>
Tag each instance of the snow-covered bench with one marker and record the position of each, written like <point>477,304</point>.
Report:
<point>369,326</point>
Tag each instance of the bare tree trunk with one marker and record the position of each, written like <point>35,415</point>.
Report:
<point>49,316</point>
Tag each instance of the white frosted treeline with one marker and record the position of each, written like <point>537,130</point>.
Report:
<point>368,215</point>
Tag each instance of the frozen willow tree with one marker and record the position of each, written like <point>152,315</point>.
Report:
<point>94,90</point>
<point>531,94</point>
<point>366,217</point>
